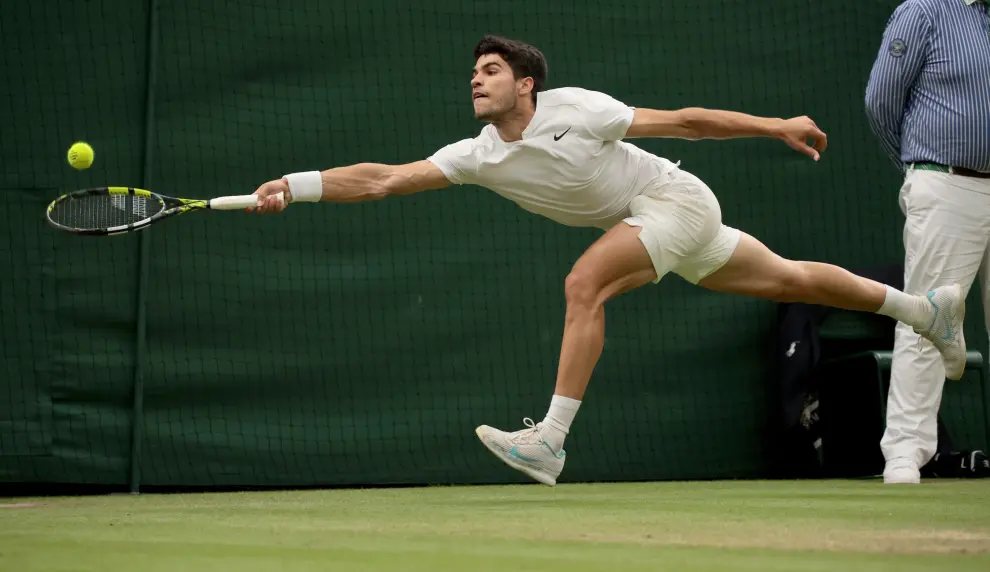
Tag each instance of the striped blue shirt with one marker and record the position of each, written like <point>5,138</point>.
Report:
<point>928,97</point>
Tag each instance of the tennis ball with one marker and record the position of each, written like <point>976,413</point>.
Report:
<point>80,155</point>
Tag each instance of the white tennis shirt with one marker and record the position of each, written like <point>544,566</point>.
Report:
<point>570,165</point>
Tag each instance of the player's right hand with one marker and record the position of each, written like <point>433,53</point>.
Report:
<point>267,201</point>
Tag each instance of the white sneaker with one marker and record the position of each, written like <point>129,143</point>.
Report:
<point>946,329</point>
<point>525,451</point>
<point>901,472</point>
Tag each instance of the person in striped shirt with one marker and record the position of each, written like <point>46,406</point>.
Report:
<point>928,103</point>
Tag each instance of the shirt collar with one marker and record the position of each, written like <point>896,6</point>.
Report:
<point>970,2</point>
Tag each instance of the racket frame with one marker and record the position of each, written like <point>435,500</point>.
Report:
<point>171,206</point>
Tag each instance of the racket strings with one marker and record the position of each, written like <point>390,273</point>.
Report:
<point>104,211</point>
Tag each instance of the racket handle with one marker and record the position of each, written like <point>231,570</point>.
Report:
<point>237,202</point>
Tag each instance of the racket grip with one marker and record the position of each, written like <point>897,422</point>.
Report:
<point>237,202</point>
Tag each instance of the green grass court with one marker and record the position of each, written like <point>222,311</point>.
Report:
<point>738,525</point>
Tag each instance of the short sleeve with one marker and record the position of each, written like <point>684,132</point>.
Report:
<point>457,161</point>
<point>607,117</point>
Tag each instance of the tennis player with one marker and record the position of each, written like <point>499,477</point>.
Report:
<point>560,153</point>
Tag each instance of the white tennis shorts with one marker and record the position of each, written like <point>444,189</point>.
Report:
<point>682,228</point>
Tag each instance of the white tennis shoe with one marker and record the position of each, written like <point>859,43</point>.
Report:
<point>524,450</point>
<point>946,329</point>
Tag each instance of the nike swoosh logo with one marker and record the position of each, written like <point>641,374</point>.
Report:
<point>948,330</point>
<point>557,137</point>
<point>514,452</point>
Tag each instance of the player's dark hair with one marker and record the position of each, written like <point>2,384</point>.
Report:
<point>524,60</point>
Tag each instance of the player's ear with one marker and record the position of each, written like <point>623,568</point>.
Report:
<point>524,86</point>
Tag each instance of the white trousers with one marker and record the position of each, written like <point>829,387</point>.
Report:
<point>946,234</point>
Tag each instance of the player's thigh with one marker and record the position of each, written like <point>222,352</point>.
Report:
<point>615,263</point>
<point>751,269</point>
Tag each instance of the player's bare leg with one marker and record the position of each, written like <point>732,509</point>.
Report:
<point>754,270</point>
<point>615,263</point>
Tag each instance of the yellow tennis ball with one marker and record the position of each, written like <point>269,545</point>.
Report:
<point>80,155</point>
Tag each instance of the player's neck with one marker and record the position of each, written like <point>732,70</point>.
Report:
<point>511,126</point>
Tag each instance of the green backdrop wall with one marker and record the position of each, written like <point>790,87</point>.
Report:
<point>364,343</point>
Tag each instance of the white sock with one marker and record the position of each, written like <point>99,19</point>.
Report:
<point>914,311</point>
<point>558,421</point>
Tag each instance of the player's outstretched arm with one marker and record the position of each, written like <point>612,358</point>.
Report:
<point>351,184</point>
<point>698,123</point>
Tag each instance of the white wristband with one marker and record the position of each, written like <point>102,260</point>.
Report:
<point>306,187</point>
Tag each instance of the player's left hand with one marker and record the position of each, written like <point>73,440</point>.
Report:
<point>797,131</point>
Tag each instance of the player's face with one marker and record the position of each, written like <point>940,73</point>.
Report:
<point>493,87</point>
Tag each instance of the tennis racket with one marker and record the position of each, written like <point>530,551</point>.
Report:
<point>105,211</point>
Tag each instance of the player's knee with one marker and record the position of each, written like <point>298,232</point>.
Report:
<point>792,283</point>
<point>581,289</point>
